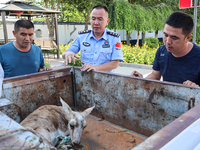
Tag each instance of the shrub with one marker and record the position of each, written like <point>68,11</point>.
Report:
<point>131,54</point>
<point>63,48</point>
<point>47,64</point>
<point>138,55</point>
<point>77,63</point>
<point>151,42</point>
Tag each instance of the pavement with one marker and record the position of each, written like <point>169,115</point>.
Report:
<point>123,68</point>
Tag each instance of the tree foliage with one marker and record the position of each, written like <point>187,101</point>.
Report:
<point>124,15</point>
<point>50,20</point>
<point>161,12</point>
<point>120,11</point>
<point>85,7</point>
<point>143,19</point>
<point>70,14</point>
<point>157,18</point>
<point>139,15</point>
<point>121,16</point>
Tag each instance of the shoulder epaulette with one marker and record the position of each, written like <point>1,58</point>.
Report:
<point>86,31</point>
<point>113,33</point>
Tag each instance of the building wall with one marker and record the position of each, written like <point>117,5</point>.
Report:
<point>69,31</point>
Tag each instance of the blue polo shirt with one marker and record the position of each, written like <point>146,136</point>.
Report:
<point>179,69</point>
<point>15,62</point>
<point>98,52</point>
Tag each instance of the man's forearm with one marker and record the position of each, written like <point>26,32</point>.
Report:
<point>156,75</point>
<point>108,66</point>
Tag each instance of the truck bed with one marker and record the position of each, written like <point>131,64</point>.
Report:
<point>158,110</point>
<point>100,134</point>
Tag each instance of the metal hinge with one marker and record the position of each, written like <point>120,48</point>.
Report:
<point>51,77</point>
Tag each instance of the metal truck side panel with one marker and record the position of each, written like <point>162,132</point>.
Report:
<point>142,105</point>
<point>44,88</point>
<point>163,136</point>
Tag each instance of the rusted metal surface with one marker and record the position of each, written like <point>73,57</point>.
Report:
<point>141,105</point>
<point>163,136</point>
<point>12,137</point>
<point>32,91</point>
<point>100,135</point>
<point>10,109</point>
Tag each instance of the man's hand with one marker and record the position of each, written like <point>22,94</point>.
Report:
<point>68,56</point>
<point>45,69</point>
<point>87,67</point>
<point>190,83</point>
<point>136,74</point>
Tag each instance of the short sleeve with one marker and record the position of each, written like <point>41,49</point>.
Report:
<point>156,65</point>
<point>75,46</point>
<point>117,53</point>
<point>41,60</point>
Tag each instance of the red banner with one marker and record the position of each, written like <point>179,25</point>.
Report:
<point>185,3</point>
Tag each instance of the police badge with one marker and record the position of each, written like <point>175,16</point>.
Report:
<point>106,44</point>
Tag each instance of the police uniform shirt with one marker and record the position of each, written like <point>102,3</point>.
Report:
<point>97,52</point>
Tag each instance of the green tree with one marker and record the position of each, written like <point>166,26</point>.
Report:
<point>85,7</point>
<point>157,11</point>
<point>143,20</point>
<point>50,20</point>
<point>54,5</point>
<point>162,11</point>
<point>121,17</point>
<point>124,15</point>
<point>157,20</point>
<point>73,10</point>
<point>70,14</point>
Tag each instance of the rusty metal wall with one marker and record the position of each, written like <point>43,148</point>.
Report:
<point>142,105</point>
<point>10,109</point>
<point>44,88</point>
<point>166,134</point>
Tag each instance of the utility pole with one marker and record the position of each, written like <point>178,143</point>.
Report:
<point>195,21</point>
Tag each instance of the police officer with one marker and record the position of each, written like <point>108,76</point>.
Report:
<point>100,48</point>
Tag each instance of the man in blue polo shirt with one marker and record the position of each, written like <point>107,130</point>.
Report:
<point>178,60</point>
<point>20,57</point>
<point>100,48</point>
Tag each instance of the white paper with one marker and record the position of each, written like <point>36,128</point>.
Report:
<point>1,78</point>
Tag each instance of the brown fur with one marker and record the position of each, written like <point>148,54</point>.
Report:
<point>47,118</point>
<point>49,121</point>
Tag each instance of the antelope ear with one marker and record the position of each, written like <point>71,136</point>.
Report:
<point>66,107</point>
<point>86,112</point>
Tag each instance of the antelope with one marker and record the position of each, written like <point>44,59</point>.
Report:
<point>49,121</point>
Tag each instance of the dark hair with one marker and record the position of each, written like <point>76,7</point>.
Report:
<point>22,23</point>
<point>101,7</point>
<point>181,20</point>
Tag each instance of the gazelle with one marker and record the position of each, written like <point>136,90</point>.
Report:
<point>49,121</point>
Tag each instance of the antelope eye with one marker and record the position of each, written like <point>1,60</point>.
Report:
<point>71,126</point>
<point>84,127</point>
